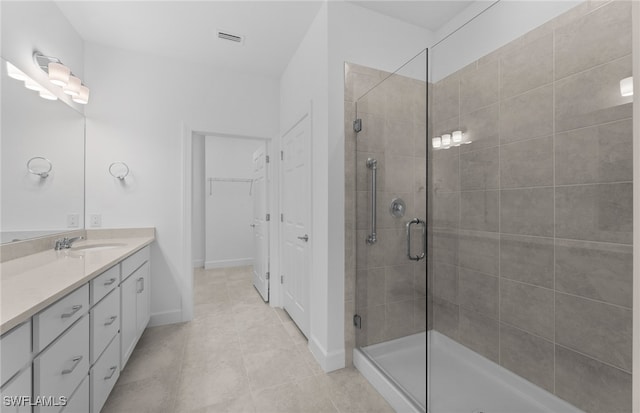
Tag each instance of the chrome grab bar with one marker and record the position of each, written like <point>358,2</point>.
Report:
<point>373,165</point>
<point>424,239</point>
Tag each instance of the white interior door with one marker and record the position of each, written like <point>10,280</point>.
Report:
<point>296,210</point>
<point>260,224</point>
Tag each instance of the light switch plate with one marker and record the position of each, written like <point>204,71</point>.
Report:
<point>73,221</point>
<point>96,220</point>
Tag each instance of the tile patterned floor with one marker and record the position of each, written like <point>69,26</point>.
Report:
<point>237,355</point>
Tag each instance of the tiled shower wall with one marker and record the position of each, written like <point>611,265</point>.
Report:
<point>532,221</point>
<point>382,285</point>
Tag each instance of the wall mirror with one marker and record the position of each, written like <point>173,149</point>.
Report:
<point>42,163</point>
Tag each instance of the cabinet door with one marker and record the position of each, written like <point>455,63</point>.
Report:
<point>16,395</point>
<point>143,301</point>
<point>128,318</point>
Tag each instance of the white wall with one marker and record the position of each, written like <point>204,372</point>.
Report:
<point>229,205</point>
<point>140,104</point>
<point>197,201</point>
<point>497,26</point>
<point>28,26</point>
<point>341,32</point>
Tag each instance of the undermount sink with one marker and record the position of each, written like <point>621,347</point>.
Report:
<point>97,247</point>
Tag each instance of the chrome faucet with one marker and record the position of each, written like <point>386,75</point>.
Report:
<point>65,243</point>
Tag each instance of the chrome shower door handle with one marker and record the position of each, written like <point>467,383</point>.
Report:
<point>372,164</point>
<point>417,221</point>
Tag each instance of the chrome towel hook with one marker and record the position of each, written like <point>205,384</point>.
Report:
<point>42,174</point>
<point>122,175</point>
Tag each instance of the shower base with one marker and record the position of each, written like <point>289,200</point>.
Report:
<point>462,381</point>
<point>400,361</point>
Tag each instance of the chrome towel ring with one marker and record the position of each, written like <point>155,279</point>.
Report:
<point>120,176</point>
<point>42,174</point>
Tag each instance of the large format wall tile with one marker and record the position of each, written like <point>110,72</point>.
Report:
<point>478,292</point>
<point>479,88</point>
<point>446,317</point>
<point>527,259</point>
<point>527,355</point>
<point>596,329</point>
<point>598,38</point>
<point>480,127</point>
<point>527,67</point>
<point>446,207</point>
<point>479,210</point>
<point>445,246</point>
<point>529,115</point>
<point>590,385</point>
<point>600,271</point>
<point>596,154</point>
<point>479,333</point>
<point>446,99</point>
<point>527,307</point>
<point>527,163</point>
<point>479,169</point>
<point>446,282</point>
<point>527,211</point>
<point>593,97</point>
<point>600,212</point>
<point>479,251</point>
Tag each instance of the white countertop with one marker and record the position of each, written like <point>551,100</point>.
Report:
<point>31,283</point>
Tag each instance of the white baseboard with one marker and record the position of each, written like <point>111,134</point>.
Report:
<point>165,317</point>
<point>228,263</point>
<point>199,263</point>
<point>328,361</point>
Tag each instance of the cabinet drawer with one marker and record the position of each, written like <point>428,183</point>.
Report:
<point>19,390</point>
<point>15,351</point>
<point>53,320</point>
<point>134,262</point>
<point>62,366</point>
<point>104,283</point>
<point>79,401</point>
<point>105,322</point>
<point>104,374</point>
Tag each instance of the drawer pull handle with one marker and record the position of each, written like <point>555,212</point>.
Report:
<point>111,281</point>
<point>141,281</point>
<point>74,310</point>
<point>111,320</point>
<point>112,370</point>
<point>76,361</point>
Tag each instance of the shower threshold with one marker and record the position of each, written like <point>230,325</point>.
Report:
<point>462,381</point>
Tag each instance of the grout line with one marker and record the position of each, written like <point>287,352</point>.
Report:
<point>499,211</point>
<point>553,156</point>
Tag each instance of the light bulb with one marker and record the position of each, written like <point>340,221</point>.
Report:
<point>83,96</point>
<point>626,86</point>
<point>446,140</point>
<point>15,73</point>
<point>436,142</point>
<point>73,87</point>
<point>45,94</point>
<point>59,74</point>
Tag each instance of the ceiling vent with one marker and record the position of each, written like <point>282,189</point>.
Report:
<point>226,35</point>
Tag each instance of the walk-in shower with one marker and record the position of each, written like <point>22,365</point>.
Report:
<point>521,167</point>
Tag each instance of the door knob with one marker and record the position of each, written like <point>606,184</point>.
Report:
<point>305,238</point>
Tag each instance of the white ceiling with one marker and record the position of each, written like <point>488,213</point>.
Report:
<point>186,30</point>
<point>429,14</point>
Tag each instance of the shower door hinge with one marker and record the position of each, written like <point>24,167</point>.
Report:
<point>268,217</point>
<point>357,321</point>
<point>282,279</point>
<point>357,125</point>
<point>268,275</point>
<point>281,217</point>
<point>267,159</point>
<point>282,155</point>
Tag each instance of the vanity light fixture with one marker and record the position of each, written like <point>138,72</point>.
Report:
<point>45,94</point>
<point>15,73</point>
<point>446,140</point>
<point>32,85</point>
<point>456,136</point>
<point>626,86</point>
<point>60,75</point>
<point>449,140</point>
<point>436,142</point>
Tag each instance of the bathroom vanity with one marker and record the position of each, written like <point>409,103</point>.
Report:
<point>70,320</point>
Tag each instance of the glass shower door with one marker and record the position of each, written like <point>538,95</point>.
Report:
<point>391,204</point>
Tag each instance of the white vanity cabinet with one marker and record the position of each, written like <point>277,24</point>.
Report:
<point>135,301</point>
<point>16,393</point>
